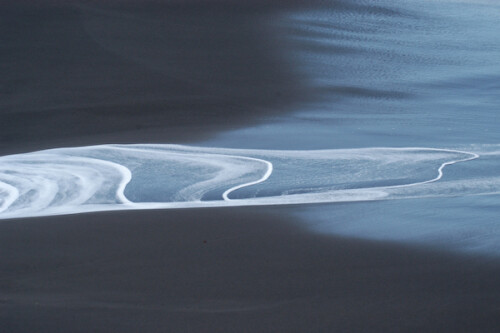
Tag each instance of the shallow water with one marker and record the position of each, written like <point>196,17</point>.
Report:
<point>116,177</point>
<point>401,73</point>
<point>353,78</point>
<point>396,74</point>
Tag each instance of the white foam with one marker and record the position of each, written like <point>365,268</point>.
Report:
<point>266,175</point>
<point>9,194</point>
<point>99,178</point>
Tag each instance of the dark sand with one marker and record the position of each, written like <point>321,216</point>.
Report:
<point>66,80</point>
<point>80,74</point>
<point>229,270</point>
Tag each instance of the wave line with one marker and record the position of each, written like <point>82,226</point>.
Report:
<point>268,173</point>
<point>441,168</point>
<point>12,196</point>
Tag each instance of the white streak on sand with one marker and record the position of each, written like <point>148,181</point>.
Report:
<point>267,174</point>
<point>126,178</point>
<point>472,156</point>
<point>12,195</point>
<point>99,169</point>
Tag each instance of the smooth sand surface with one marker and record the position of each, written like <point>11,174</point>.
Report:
<point>230,270</point>
<point>80,73</point>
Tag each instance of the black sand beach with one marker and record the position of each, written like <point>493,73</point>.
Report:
<point>65,83</point>
<point>230,270</point>
<point>80,74</point>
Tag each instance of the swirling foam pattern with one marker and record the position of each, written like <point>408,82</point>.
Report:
<point>147,176</point>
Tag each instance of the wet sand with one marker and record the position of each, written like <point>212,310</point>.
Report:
<point>83,73</point>
<point>230,270</point>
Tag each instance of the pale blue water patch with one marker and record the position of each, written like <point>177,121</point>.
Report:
<point>462,223</point>
<point>397,74</point>
<point>467,224</point>
<point>394,73</point>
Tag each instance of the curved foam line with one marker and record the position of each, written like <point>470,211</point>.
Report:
<point>361,194</point>
<point>126,178</point>
<point>226,193</point>
<point>12,195</point>
<point>268,173</point>
<point>473,156</point>
<point>441,168</point>
<point>124,171</point>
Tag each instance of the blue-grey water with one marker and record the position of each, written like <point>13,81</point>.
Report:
<point>271,84</point>
<point>395,74</point>
<point>398,73</point>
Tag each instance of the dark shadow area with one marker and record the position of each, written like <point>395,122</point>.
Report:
<point>167,71</point>
<point>86,73</point>
<point>125,71</point>
<point>230,270</point>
